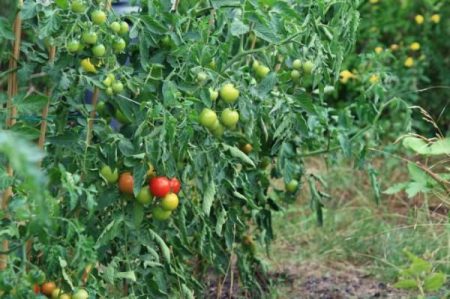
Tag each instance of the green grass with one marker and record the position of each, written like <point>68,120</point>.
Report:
<point>357,232</point>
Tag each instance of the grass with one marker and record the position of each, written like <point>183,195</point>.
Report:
<point>358,237</point>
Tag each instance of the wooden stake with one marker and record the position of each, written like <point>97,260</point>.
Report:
<point>11,120</point>
<point>92,116</point>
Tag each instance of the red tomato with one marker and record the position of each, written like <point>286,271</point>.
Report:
<point>175,185</point>
<point>36,288</point>
<point>126,183</point>
<point>159,186</point>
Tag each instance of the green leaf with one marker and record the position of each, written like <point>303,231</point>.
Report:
<point>413,188</point>
<point>162,245</point>
<point>395,188</point>
<point>238,28</point>
<point>5,30</point>
<point>406,284</point>
<point>221,219</point>
<point>416,144</point>
<point>130,275</point>
<point>434,282</point>
<point>237,153</point>
<point>208,197</point>
<point>266,85</point>
<point>417,174</point>
<point>440,147</point>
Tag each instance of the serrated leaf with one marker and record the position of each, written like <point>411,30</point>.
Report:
<point>395,188</point>
<point>221,219</point>
<point>266,85</point>
<point>208,197</point>
<point>434,282</point>
<point>162,245</point>
<point>440,147</point>
<point>237,153</point>
<point>238,28</point>
<point>416,173</point>
<point>416,144</point>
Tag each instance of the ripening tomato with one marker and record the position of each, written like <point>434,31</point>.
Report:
<point>78,6</point>
<point>124,28</point>
<point>144,196</point>
<point>255,65</point>
<point>89,37</point>
<point>99,50</point>
<point>80,294</point>
<point>297,64</point>
<point>87,66</point>
<point>119,45</point>
<point>73,46</point>
<point>208,118</point>
<point>175,185</point>
<point>160,214</point>
<point>108,174</point>
<point>229,93</point>
<point>109,80</point>
<point>126,183</point>
<point>36,288</point>
<point>292,186</point>
<point>117,87</point>
<point>229,117</point>
<point>262,71</point>
<point>247,148</point>
<point>98,17</point>
<point>48,288</point>
<point>295,75</point>
<point>308,67</point>
<point>159,186</point>
<point>170,202</point>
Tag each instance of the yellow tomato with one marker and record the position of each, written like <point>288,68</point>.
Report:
<point>419,19</point>
<point>436,18</point>
<point>345,76</point>
<point>378,50</point>
<point>87,66</point>
<point>415,46</point>
<point>170,202</point>
<point>394,47</point>
<point>409,62</point>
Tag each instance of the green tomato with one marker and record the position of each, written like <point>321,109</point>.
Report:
<point>255,65</point>
<point>297,64</point>
<point>115,27</point>
<point>99,50</point>
<point>80,294</point>
<point>98,17</point>
<point>213,94</point>
<point>108,80</point>
<point>117,87</point>
<point>295,75</point>
<point>109,175</point>
<point>202,77</point>
<point>121,117</point>
<point>229,93</point>
<point>101,108</point>
<point>166,41</point>
<point>144,196</point>
<point>308,67</point>
<point>73,46</point>
<point>229,117</point>
<point>119,45</point>
<point>208,118</point>
<point>218,130</point>
<point>109,91</point>
<point>124,28</point>
<point>292,186</point>
<point>160,214</point>
<point>78,6</point>
<point>89,37</point>
<point>262,71</point>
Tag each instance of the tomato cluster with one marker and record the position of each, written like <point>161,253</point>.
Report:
<point>51,290</point>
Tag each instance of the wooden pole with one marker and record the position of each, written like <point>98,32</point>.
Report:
<point>11,120</point>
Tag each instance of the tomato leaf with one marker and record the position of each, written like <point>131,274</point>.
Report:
<point>208,197</point>
<point>162,245</point>
<point>237,153</point>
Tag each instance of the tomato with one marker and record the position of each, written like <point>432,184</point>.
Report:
<point>212,64</point>
<point>87,66</point>
<point>208,118</point>
<point>175,185</point>
<point>262,71</point>
<point>308,67</point>
<point>89,37</point>
<point>119,45</point>
<point>218,130</point>
<point>48,288</point>
<point>36,288</point>
<point>115,27</point>
<point>247,148</point>
<point>73,46</point>
<point>99,50</point>
<point>229,117</point>
<point>295,75</point>
<point>213,94</point>
<point>292,186</point>
<point>126,183</point>
<point>117,87</point>
<point>108,80</point>
<point>160,214</point>
<point>144,196</point>
<point>297,64</point>
<point>166,41</point>
<point>109,91</point>
<point>121,117</point>
<point>124,28</point>
<point>78,6</point>
<point>108,174</point>
<point>202,77</point>
<point>159,186</point>
<point>80,294</point>
<point>229,93</point>
<point>255,65</point>
<point>98,17</point>
<point>170,202</point>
